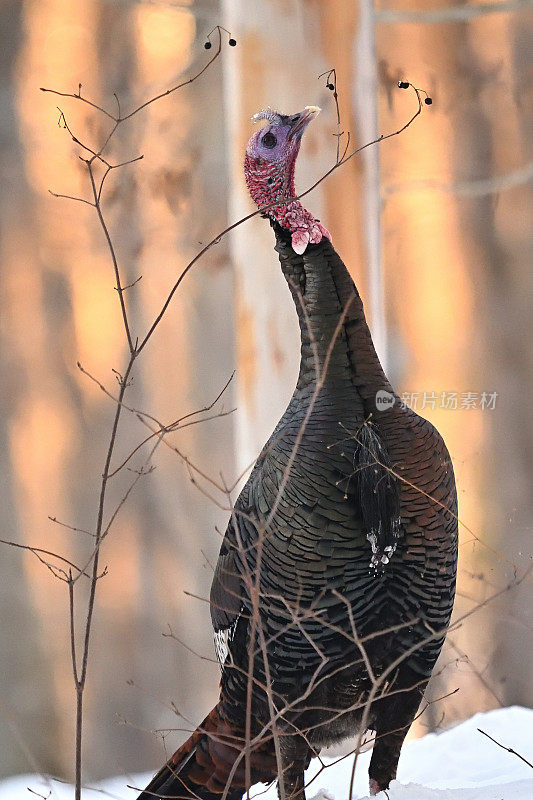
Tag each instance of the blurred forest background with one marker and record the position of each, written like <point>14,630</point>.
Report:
<point>436,227</point>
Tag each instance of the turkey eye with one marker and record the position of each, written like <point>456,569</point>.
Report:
<point>269,140</point>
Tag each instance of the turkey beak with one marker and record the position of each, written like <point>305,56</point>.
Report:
<point>299,122</point>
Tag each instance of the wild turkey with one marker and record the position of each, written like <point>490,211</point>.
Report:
<point>337,570</point>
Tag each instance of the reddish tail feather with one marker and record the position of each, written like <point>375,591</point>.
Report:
<point>202,767</point>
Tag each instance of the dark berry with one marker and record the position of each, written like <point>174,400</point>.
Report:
<point>208,45</point>
<point>403,85</point>
<point>232,42</point>
<point>330,86</point>
<point>428,101</point>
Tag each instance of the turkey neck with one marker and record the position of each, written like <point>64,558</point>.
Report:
<point>324,294</point>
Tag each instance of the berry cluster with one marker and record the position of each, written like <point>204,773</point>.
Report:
<point>232,43</point>
<point>405,85</point>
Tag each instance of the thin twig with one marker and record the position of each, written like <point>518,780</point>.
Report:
<point>509,749</point>
<point>71,197</point>
<point>114,260</point>
<point>37,550</point>
<point>117,118</point>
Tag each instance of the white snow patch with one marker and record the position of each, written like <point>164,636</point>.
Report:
<point>458,764</point>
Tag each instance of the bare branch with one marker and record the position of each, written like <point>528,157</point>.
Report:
<point>118,118</point>
<point>37,550</point>
<point>509,749</point>
<point>96,195</point>
<point>71,197</point>
<point>69,527</point>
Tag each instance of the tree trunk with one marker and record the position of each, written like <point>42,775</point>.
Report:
<point>27,701</point>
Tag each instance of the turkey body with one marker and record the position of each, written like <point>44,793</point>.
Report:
<point>335,581</point>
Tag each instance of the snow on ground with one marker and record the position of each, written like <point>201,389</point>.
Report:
<point>458,764</point>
